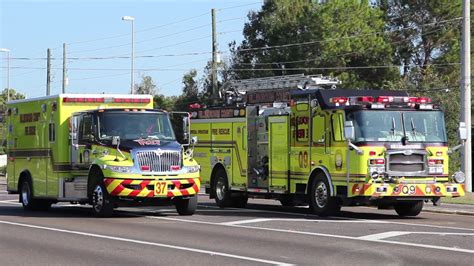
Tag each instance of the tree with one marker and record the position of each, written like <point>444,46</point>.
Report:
<point>3,99</point>
<point>190,91</point>
<point>423,32</point>
<point>147,86</point>
<point>339,38</point>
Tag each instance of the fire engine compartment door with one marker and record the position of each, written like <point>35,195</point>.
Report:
<point>279,162</point>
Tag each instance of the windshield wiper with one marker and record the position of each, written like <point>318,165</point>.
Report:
<point>393,126</point>
<point>413,129</point>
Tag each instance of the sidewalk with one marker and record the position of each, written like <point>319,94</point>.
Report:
<point>449,208</point>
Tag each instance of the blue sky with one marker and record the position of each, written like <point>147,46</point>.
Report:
<point>175,34</point>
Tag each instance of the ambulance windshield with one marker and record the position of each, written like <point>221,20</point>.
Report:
<point>135,125</point>
<point>392,126</point>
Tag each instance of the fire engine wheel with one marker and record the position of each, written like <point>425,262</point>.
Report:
<point>320,200</point>
<point>29,203</point>
<point>221,189</point>
<point>102,205</point>
<point>186,206</point>
<point>410,208</point>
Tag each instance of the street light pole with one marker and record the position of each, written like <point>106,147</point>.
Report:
<point>8,71</point>
<point>132,19</point>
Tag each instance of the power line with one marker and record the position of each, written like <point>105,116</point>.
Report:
<point>233,7</point>
<point>142,30</point>
<point>336,39</point>
<point>242,69</point>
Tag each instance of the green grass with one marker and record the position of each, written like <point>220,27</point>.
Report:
<point>467,199</point>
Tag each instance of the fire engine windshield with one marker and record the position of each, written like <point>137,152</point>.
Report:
<point>135,125</point>
<point>391,126</point>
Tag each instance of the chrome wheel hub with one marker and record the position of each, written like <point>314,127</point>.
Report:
<point>220,189</point>
<point>98,198</point>
<point>321,195</point>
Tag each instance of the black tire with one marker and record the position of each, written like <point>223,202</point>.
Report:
<point>28,202</point>
<point>410,208</point>
<point>186,206</point>
<point>221,189</point>
<point>240,201</point>
<point>320,200</point>
<point>102,204</point>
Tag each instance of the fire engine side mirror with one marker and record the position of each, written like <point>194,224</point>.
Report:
<point>349,131</point>
<point>462,131</point>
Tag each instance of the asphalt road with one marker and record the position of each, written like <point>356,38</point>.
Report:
<point>263,233</point>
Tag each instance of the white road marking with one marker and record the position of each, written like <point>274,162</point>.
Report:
<point>318,234</point>
<point>383,235</point>
<point>260,220</point>
<point>202,251</point>
<point>401,233</point>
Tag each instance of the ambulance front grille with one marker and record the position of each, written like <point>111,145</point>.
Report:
<point>158,161</point>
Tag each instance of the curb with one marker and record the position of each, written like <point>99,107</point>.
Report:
<point>457,212</point>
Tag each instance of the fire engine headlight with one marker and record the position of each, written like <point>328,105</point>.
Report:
<point>459,177</point>
<point>191,169</point>
<point>120,169</point>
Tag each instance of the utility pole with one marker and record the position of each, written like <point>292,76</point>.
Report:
<point>64,69</point>
<point>466,155</point>
<point>215,93</point>
<point>48,73</point>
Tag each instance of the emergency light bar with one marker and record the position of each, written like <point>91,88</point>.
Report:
<point>380,102</point>
<point>104,100</point>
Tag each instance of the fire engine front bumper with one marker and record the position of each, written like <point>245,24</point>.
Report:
<point>406,190</point>
<point>152,188</point>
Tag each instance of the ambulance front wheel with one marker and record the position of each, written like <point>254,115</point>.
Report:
<point>102,204</point>
<point>221,189</point>
<point>409,208</point>
<point>320,200</point>
<point>186,206</point>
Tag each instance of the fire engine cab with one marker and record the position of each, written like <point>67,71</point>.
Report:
<point>300,140</point>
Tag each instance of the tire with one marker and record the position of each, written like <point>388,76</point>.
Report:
<point>320,200</point>
<point>410,208</point>
<point>186,206</point>
<point>221,189</point>
<point>28,202</point>
<point>102,204</point>
<point>240,201</point>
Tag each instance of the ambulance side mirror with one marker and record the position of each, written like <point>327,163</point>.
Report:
<point>462,131</point>
<point>194,140</point>
<point>349,132</point>
<point>116,140</point>
<point>186,128</point>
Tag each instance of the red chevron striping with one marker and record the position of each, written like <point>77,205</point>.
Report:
<point>144,183</point>
<point>134,193</point>
<point>117,190</point>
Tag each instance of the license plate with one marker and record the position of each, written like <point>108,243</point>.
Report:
<point>161,189</point>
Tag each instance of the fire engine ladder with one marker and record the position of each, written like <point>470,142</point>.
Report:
<point>300,81</point>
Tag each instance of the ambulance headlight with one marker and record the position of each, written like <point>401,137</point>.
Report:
<point>459,177</point>
<point>120,169</point>
<point>191,169</point>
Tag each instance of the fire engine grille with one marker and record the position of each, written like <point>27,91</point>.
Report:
<point>401,163</point>
<point>158,161</point>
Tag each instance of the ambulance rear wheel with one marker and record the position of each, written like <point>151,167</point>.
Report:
<point>29,203</point>
<point>410,208</point>
<point>320,200</point>
<point>221,189</point>
<point>186,206</point>
<point>102,204</point>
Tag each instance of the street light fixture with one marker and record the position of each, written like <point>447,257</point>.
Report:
<point>132,19</point>
<point>5,50</point>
